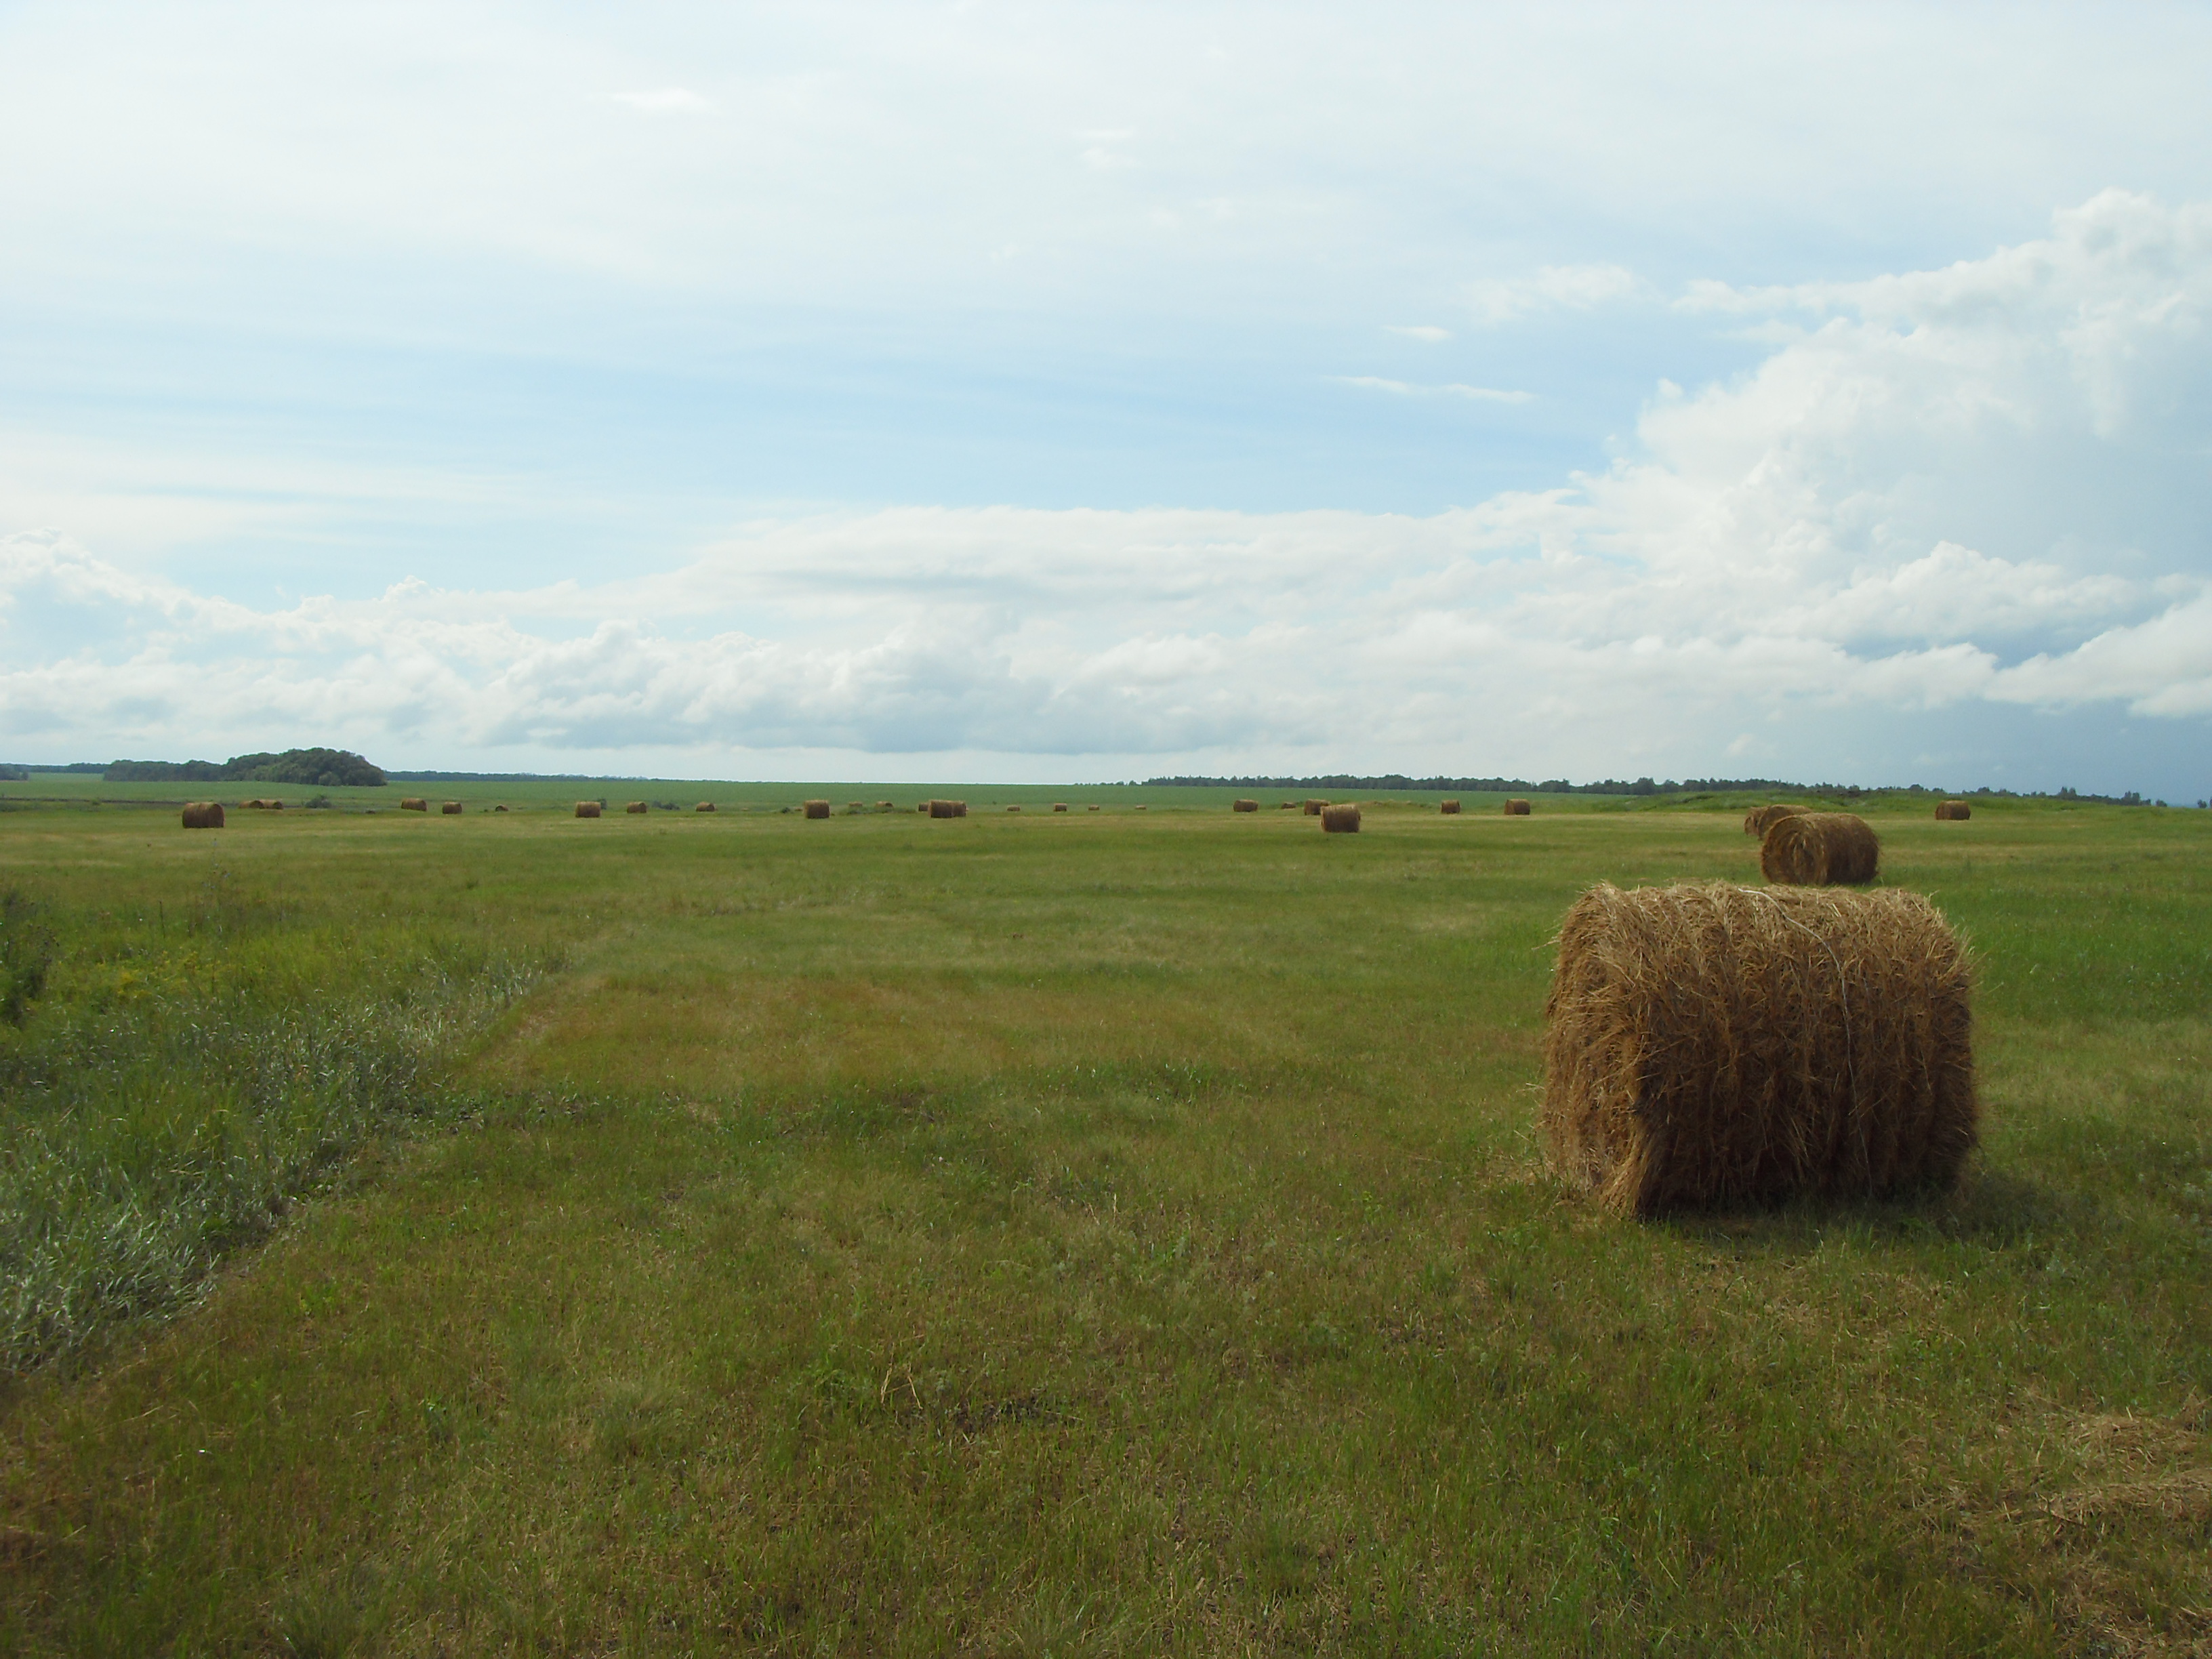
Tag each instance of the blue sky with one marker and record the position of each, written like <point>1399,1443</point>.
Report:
<point>1019,392</point>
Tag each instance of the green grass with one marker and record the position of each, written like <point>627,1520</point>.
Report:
<point>1101,1234</point>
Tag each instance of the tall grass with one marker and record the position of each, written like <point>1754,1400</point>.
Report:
<point>169,1097</point>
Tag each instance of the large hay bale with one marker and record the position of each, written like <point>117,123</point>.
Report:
<point>1313,808</point>
<point>204,815</point>
<point>1013,809</point>
<point>500,808</point>
<point>941,809</point>
<point>705,806</point>
<point>1819,849</point>
<point>451,808</point>
<point>413,804</point>
<point>1288,806</point>
<point>1342,819</point>
<point>587,809</point>
<point>959,809</point>
<point>273,804</point>
<point>1516,809</point>
<point>1060,806</point>
<point>1707,1043</point>
<point>1091,809</point>
<point>1760,819</point>
<point>817,809</point>
<point>1954,811</point>
<point>1245,806</point>
<point>637,807</point>
<point>1449,808</point>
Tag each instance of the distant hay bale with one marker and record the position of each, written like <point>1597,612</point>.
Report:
<point>1819,849</point>
<point>1760,819</point>
<point>413,804</point>
<point>1449,808</point>
<point>500,808</point>
<point>941,809</point>
<point>1516,809</point>
<point>1013,809</point>
<point>273,804</point>
<point>1707,1043</point>
<point>1060,806</point>
<point>587,809</point>
<point>1245,806</point>
<point>856,806</point>
<point>1313,808</point>
<point>817,809</point>
<point>705,806</point>
<point>959,809</point>
<point>885,806</point>
<point>1288,806</point>
<point>450,809</point>
<point>204,815</point>
<point>1091,809</point>
<point>1139,807</point>
<point>1341,820</point>
<point>1954,811</point>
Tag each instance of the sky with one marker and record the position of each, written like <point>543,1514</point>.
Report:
<point>1010,392</point>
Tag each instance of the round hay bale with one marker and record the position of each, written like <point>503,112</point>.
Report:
<point>413,804</point>
<point>204,815</point>
<point>959,809</point>
<point>1711,1043</point>
<point>1060,806</point>
<point>587,809</point>
<point>1516,809</point>
<point>1013,809</point>
<point>885,806</point>
<point>705,806</point>
<point>1341,820</point>
<point>1288,806</point>
<point>937,808</point>
<point>1313,808</point>
<point>637,807</point>
<point>1819,849</point>
<point>1760,819</point>
<point>1449,808</point>
<point>817,809</point>
<point>1139,807</point>
<point>500,808</point>
<point>1245,806</point>
<point>273,804</point>
<point>1952,811</point>
<point>450,809</point>
<point>1091,809</point>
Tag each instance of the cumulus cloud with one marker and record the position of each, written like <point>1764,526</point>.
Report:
<point>1980,487</point>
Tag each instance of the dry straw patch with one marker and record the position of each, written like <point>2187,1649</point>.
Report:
<point>1707,1043</point>
<point>1760,819</point>
<point>1952,811</point>
<point>1819,849</point>
<point>1342,819</point>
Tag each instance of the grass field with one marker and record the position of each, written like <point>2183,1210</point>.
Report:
<point>1098,1233</point>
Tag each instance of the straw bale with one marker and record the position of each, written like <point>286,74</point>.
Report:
<point>1139,806</point>
<point>1711,1043</point>
<point>705,807</point>
<point>1060,806</point>
<point>1091,809</point>
<point>856,806</point>
<point>941,809</point>
<point>817,809</point>
<point>1288,806</point>
<point>413,804</point>
<point>885,806</point>
<point>273,804</point>
<point>1013,809</point>
<point>1245,806</point>
<point>959,809</point>
<point>204,815</point>
<point>1819,849</point>
<point>1342,819</point>
<point>450,809</point>
<point>1952,811</point>
<point>587,809</point>
<point>501,808</point>
<point>1516,809</point>
<point>1313,808</point>
<point>1760,819</point>
<point>1449,809</point>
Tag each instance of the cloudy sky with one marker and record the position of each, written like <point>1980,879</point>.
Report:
<point>1010,391</point>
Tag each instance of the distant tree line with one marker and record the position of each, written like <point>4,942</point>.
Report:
<point>325,768</point>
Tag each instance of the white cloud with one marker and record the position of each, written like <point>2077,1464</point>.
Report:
<point>1427,333</point>
<point>1411,389</point>
<point>665,100</point>
<point>1554,288</point>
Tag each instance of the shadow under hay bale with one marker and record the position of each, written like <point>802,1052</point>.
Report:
<point>204,815</point>
<point>1819,849</point>
<point>1711,1044</point>
<point>413,804</point>
<point>1245,806</point>
<point>817,809</point>
<point>587,809</point>
<point>1760,819</point>
<point>451,808</point>
<point>1341,820</point>
<point>1449,808</point>
<point>1952,811</point>
<point>1516,809</point>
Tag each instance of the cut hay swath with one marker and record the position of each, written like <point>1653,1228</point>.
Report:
<point>1341,819</point>
<point>1711,1044</point>
<point>1313,808</point>
<point>451,808</point>
<point>1449,808</point>
<point>1516,809</point>
<point>1819,849</point>
<point>204,815</point>
<point>704,806</point>
<point>587,809</point>
<point>1760,819</point>
<point>1954,811</point>
<point>817,809</point>
<point>413,804</point>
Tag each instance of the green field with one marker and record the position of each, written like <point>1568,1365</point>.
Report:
<point>1098,1233</point>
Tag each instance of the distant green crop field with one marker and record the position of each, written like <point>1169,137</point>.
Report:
<point>1106,1232</point>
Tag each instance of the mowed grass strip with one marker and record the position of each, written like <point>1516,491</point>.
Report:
<point>1002,1235</point>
